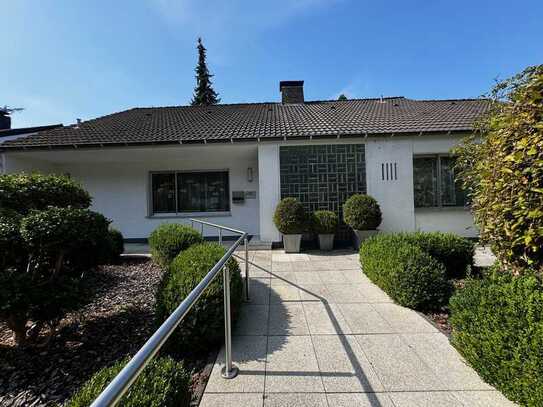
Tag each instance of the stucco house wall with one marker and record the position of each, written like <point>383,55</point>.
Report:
<point>118,179</point>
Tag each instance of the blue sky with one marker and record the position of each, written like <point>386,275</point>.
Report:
<point>66,59</point>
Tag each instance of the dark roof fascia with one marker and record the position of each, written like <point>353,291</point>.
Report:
<point>97,146</point>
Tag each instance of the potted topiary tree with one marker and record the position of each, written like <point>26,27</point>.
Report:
<point>363,214</point>
<point>290,219</point>
<point>325,224</point>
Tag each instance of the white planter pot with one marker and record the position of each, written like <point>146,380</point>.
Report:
<point>292,243</point>
<point>326,242</point>
<point>361,235</point>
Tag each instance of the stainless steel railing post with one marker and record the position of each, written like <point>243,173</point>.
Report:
<point>220,237</point>
<point>229,371</point>
<point>246,247</point>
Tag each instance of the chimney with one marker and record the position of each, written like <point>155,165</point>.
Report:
<point>292,91</point>
<point>5,120</point>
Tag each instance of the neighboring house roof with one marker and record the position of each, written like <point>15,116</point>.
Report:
<point>26,130</point>
<point>239,122</point>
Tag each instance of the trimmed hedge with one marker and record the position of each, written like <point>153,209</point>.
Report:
<point>324,222</point>
<point>362,212</point>
<point>498,327</point>
<point>453,251</point>
<point>25,192</point>
<point>169,239</point>
<point>405,272</point>
<point>203,327</point>
<point>164,382</point>
<point>290,217</point>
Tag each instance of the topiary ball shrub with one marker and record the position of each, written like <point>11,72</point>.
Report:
<point>498,328</point>
<point>290,217</point>
<point>362,212</point>
<point>203,327</point>
<point>324,222</point>
<point>410,276</point>
<point>169,239</point>
<point>163,382</point>
<point>453,251</point>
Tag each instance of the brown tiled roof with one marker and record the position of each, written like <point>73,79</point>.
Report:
<point>238,122</point>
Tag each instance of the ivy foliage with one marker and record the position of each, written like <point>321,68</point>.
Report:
<point>501,166</point>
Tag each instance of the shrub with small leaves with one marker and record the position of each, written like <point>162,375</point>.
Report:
<point>408,274</point>
<point>498,328</point>
<point>362,212</point>
<point>325,222</point>
<point>163,382</point>
<point>169,239</point>
<point>453,251</point>
<point>203,327</point>
<point>501,166</point>
<point>290,217</point>
<point>25,192</point>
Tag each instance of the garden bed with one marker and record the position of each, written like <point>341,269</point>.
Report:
<point>115,323</point>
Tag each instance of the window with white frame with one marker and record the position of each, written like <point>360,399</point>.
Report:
<point>434,182</point>
<point>178,192</point>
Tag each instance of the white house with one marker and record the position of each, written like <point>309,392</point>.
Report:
<point>231,164</point>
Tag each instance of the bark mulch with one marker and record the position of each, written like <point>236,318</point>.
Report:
<point>116,322</point>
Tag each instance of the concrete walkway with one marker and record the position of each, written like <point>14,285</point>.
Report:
<point>317,332</point>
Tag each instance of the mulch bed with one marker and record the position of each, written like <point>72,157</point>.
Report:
<point>116,322</point>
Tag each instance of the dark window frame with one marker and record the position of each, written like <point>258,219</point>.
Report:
<point>177,212</point>
<point>439,181</point>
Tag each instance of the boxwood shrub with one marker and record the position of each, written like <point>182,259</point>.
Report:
<point>290,217</point>
<point>25,192</point>
<point>453,251</point>
<point>167,240</point>
<point>362,212</point>
<point>203,327</point>
<point>324,222</point>
<point>408,274</point>
<point>164,382</point>
<point>498,327</point>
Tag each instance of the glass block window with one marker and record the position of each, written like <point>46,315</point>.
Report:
<point>434,182</point>
<point>187,192</point>
<point>323,176</point>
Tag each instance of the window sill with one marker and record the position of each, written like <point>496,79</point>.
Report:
<point>188,215</point>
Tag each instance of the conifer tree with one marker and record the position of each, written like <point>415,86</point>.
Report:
<point>204,95</point>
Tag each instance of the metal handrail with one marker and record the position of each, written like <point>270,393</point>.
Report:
<point>126,377</point>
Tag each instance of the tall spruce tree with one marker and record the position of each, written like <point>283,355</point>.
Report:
<point>204,95</point>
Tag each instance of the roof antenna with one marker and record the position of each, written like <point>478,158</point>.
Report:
<point>381,100</point>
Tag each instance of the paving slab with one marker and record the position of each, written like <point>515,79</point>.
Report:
<point>425,399</point>
<point>295,399</point>
<point>363,319</point>
<point>287,319</point>
<point>249,355</point>
<point>325,319</point>
<point>259,291</point>
<point>252,320</point>
<point>292,366</point>
<point>436,351</point>
<point>403,319</point>
<point>483,399</point>
<point>344,366</point>
<point>284,293</point>
<point>231,399</point>
<point>397,365</point>
<point>359,400</point>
